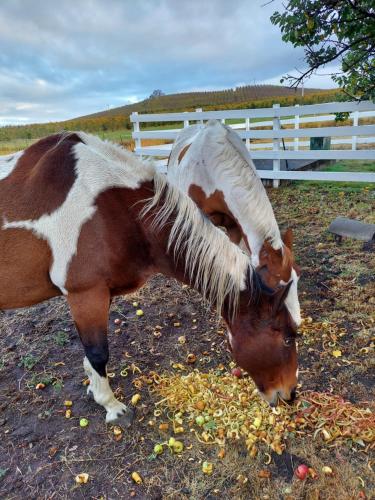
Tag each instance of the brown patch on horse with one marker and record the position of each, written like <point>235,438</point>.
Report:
<point>24,259</point>
<point>105,261</point>
<point>276,265</point>
<point>41,180</point>
<point>183,153</point>
<point>215,207</point>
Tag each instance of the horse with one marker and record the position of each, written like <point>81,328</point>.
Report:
<point>211,164</point>
<point>88,220</point>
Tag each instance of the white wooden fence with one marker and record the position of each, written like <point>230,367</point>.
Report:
<point>355,136</point>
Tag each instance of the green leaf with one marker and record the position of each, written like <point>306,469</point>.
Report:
<point>210,425</point>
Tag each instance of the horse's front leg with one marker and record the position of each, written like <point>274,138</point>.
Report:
<point>90,313</point>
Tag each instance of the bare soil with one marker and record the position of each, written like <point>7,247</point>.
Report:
<point>41,451</point>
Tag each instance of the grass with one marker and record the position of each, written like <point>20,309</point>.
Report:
<point>28,361</point>
<point>342,166</point>
<point>7,147</point>
<point>115,135</point>
<point>61,338</point>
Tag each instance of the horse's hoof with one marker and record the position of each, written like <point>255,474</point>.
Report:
<point>125,419</point>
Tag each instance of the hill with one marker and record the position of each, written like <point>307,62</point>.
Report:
<point>192,100</point>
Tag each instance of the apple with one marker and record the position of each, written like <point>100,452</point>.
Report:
<point>237,372</point>
<point>158,449</point>
<point>302,471</point>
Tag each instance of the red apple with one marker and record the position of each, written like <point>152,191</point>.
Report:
<point>301,471</point>
<point>237,372</point>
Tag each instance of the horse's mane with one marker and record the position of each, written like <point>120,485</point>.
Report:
<point>225,149</point>
<point>214,265</point>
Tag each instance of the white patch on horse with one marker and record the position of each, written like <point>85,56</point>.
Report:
<point>8,163</point>
<point>99,166</point>
<point>100,389</point>
<point>291,300</point>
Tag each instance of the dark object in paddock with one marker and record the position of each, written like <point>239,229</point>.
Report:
<point>350,228</point>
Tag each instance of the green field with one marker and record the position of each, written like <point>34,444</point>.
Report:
<point>342,166</point>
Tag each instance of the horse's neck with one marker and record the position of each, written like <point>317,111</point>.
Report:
<point>188,247</point>
<point>255,229</point>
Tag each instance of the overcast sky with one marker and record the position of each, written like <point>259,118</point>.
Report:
<point>65,58</point>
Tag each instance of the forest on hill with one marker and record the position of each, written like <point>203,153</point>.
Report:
<point>258,96</point>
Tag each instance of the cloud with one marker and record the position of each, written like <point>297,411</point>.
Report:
<point>82,57</point>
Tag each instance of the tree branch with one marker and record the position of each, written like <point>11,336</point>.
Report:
<point>356,7</point>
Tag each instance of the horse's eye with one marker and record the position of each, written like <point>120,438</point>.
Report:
<point>289,341</point>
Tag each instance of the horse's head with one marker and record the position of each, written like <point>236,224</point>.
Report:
<point>262,340</point>
<point>277,268</point>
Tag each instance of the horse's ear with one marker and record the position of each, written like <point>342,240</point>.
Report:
<point>266,249</point>
<point>279,298</point>
<point>287,238</point>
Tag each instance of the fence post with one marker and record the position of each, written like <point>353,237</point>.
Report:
<point>136,128</point>
<point>355,124</point>
<point>276,146</point>
<point>199,110</point>
<point>247,128</point>
<point>223,121</point>
<point>186,122</point>
<point>296,127</point>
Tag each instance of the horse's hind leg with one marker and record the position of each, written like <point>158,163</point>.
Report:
<point>90,313</point>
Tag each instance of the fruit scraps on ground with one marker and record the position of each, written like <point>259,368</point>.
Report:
<point>216,407</point>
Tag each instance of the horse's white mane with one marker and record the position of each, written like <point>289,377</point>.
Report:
<point>222,149</point>
<point>215,266</point>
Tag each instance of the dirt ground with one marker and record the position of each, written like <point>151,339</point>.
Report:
<point>41,451</point>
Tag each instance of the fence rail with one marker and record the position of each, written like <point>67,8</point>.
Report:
<point>294,149</point>
<point>275,134</point>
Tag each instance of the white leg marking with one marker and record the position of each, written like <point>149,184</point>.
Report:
<point>99,387</point>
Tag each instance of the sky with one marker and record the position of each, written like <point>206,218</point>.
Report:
<point>68,58</point>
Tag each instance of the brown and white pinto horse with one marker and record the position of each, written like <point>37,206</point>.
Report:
<point>213,166</point>
<point>86,219</point>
